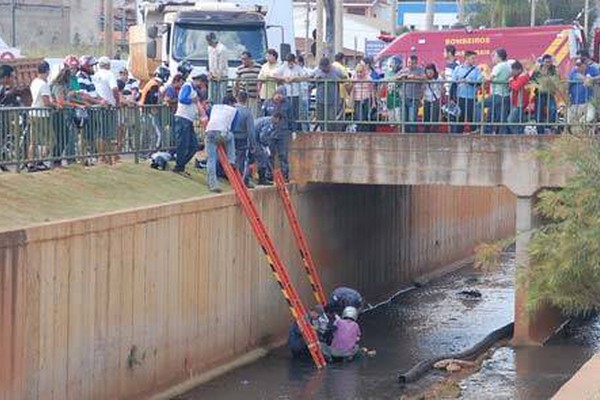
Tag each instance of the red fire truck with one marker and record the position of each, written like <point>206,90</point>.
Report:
<point>526,44</point>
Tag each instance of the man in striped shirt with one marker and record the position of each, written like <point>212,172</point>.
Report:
<point>247,76</point>
<point>93,124</point>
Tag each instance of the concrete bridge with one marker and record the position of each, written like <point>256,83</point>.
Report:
<point>433,159</point>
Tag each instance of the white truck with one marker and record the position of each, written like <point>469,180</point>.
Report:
<point>172,31</point>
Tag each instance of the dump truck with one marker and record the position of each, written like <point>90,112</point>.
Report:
<point>170,32</point>
<point>522,43</point>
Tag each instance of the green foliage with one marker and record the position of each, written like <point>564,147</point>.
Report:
<point>488,256</point>
<point>565,252</point>
<point>498,13</point>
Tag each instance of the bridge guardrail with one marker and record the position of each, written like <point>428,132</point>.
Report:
<point>30,136</point>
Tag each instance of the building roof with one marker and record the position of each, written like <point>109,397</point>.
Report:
<point>357,28</point>
<point>365,3</point>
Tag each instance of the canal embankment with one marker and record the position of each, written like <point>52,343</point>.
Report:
<point>129,303</point>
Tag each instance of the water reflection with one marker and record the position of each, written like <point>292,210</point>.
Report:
<point>536,372</point>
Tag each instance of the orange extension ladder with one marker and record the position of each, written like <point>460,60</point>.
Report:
<point>279,270</point>
<point>305,254</point>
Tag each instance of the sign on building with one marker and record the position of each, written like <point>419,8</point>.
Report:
<point>373,47</point>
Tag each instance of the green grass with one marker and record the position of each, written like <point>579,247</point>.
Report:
<point>32,198</point>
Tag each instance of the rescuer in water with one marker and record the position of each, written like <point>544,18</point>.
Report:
<point>342,297</point>
<point>346,335</point>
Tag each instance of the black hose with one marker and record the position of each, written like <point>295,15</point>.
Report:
<point>423,367</point>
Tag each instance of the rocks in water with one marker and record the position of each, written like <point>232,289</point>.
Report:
<point>452,365</point>
<point>369,353</point>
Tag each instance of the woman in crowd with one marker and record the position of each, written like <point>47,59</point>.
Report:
<point>62,120</point>
<point>432,97</point>
<point>363,96</point>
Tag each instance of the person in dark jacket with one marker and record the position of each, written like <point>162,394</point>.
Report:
<point>243,132</point>
<point>343,297</point>
<point>280,140</point>
<point>264,130</point>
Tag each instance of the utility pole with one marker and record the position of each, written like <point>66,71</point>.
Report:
<point>586,17</point>
<point>13,12</point>
<point>307,37</point>
<point>320,11</point>
<point>108,28</point>
<point>532,22</point>
<point>339,26</point>
<point>394,20</point>
<point>429,14</point>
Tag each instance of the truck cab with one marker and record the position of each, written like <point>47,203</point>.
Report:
<point>171,32</point>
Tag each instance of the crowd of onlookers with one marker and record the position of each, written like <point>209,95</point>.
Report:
<point>87,109</point>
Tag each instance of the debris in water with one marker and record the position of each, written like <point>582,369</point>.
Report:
<point>445,364</point>
<point>369,353</point>
<point>470,294</point>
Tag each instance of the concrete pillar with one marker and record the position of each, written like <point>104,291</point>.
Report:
<point>531,329</point>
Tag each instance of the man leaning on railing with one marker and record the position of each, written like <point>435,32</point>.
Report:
<point>329,104</point>
<point>41,139</point>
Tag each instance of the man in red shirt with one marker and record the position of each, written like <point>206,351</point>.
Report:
<point>519,98</point>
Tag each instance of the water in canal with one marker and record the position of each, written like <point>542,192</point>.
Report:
<point>422,323</point>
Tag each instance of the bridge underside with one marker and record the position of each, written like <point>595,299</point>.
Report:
<point>434,159</point>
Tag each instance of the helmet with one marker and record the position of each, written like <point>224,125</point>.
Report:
<point>162,73</point>
<point>71,61</point>
<point>350,312</point>
<point>185,69</point>
<point>451,110</point>
<point>394,64</point>
<point>87,63</point>
<point>160,160</point>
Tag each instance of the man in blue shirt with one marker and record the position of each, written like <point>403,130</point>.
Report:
<point>243,133</point>
<point>581,80</point>
<point>466,78</point>
<point>265,129</point>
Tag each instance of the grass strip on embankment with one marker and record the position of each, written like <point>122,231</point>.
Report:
<point>77,191</point>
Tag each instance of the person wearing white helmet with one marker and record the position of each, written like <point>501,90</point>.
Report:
<point>346,336</point>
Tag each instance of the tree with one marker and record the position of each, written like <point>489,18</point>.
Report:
<point>498,13</point>
<point>565,252</point>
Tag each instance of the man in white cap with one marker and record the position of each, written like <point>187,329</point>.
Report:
<point>108,89</point>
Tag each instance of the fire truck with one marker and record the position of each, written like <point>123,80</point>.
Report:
<point>526,44</point>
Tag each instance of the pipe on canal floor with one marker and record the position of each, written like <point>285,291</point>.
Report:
<point>419,370</point>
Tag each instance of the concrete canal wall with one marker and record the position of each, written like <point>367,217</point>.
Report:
<point>126,305</point>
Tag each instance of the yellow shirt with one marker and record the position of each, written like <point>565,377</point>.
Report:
<point>269,85</point>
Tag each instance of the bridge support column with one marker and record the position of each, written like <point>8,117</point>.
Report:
<point>531,328</point>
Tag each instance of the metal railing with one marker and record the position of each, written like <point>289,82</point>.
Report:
<point>543,105</point>
<point>30,137</point>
